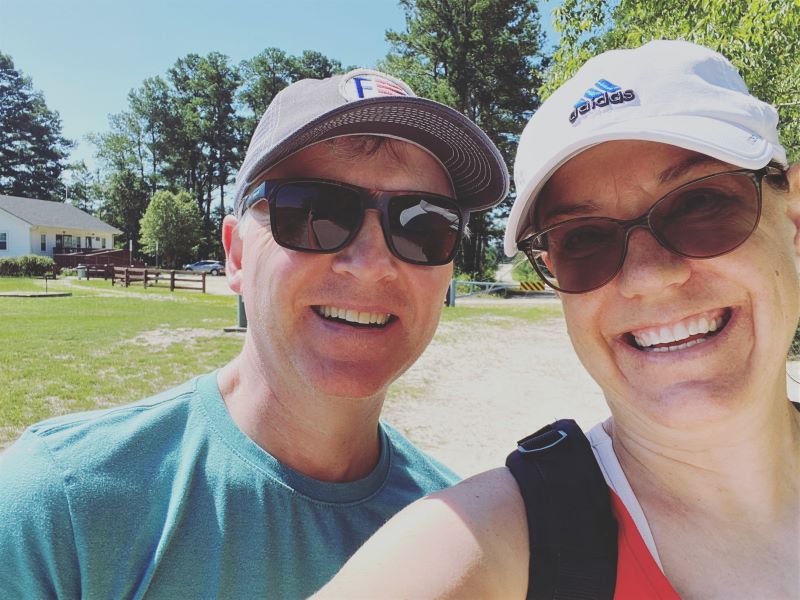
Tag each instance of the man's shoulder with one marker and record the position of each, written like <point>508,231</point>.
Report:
<point>416,463</point>
<point>92,436</point>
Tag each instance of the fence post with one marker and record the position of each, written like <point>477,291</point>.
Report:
<point>172,281</point>
<point>450,300</point>
<point>204,282</point>
<point>241,315</point>
<point>144,280</point>
<point>127,277</point>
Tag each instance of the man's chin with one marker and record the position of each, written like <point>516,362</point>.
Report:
<point>352,383</point>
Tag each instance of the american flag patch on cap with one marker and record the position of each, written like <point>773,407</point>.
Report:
<point>365,83</point>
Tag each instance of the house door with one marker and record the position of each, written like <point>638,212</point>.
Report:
<point>88,242</point>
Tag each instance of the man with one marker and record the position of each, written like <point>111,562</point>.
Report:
<point>260,480</point>
<point>652,194</point>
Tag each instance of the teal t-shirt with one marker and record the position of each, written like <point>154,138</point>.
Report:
<point>167,498</point>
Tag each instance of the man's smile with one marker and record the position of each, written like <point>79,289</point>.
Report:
<point>682,334</point>
<point>354,317</point>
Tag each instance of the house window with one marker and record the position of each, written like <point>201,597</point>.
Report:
<point>43,244</point>
<point>78,241</point>
<point>3,240</point>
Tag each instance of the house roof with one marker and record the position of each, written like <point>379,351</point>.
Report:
<point>45,213</point>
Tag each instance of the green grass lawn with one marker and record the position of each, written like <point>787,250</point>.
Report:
<point>104,346</point>
<point>22,284</point>
<point>532,312</point>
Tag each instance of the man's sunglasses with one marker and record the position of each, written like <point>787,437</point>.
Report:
<point>704,218</point>
<point>316,215</point>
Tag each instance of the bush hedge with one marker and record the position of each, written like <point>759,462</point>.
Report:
<point>26,266</point>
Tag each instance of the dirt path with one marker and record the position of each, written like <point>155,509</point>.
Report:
<point>479,388</point>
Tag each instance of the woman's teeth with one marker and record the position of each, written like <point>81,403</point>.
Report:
<point>681,335</point>
<point>353,316</point>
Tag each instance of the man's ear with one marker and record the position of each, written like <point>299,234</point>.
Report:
<point>233,253</point>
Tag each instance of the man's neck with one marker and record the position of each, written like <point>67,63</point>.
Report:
<point>329,439</point>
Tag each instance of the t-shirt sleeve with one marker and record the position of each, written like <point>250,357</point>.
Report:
<point>38,558</point>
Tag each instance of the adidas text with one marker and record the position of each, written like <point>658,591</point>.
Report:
<point>600,101</point>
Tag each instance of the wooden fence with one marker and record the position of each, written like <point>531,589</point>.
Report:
<point>176,280</point>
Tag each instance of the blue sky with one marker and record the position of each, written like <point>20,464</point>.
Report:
<point>85,55</point>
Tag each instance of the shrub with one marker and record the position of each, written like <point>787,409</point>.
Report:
<point>26,266</point>
<point>523,270</point>
<point>9,267</point>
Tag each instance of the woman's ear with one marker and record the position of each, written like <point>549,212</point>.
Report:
<point>232,243</point>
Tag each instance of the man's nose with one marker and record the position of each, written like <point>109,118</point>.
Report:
<point>367,257</point>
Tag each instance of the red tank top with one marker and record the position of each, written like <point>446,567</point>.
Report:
<point>638,574</point>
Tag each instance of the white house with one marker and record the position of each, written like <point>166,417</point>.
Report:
<point>42,227</point>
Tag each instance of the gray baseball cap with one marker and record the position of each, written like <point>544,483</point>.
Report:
<point>367,102</point>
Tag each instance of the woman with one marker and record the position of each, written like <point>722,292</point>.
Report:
<point>653,194</point>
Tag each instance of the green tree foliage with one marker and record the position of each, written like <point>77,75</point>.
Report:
<point>32,149</point>
<point>180,132</point>
<point>483,58</point>
<point>267,73</point>
<point>760,37</point>
<point>125,200</point>
<point>83,188</point>
<point>188,130</point>
<point>171,227</point>
<point>205,143</point>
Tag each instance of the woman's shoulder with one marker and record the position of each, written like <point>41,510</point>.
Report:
<point>475,533</point>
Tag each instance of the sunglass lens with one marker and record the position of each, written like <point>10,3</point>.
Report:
<point>582,255</point>
<point>424,230</point>
<point>708,217</point>
<point>315,216</point>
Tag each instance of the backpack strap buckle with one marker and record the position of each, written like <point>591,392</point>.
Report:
<point>541,440</point>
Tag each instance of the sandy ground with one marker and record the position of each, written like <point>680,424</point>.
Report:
<point>478,389</point>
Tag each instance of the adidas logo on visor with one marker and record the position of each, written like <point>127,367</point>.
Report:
<point>364,84</point>
<point>603,93</point>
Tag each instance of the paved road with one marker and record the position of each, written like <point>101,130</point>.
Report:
<point>218,285</point>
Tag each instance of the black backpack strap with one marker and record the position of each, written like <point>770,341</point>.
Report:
<point>572,531</point>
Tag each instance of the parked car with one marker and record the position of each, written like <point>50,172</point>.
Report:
<point>209,266</point>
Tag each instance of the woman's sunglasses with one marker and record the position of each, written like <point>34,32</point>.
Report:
<point>704,218</point>
<point>315,215</point>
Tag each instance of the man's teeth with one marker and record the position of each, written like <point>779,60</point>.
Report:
<point>675,333</point>
<point>353,316</point>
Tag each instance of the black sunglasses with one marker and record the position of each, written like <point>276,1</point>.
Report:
<point>317,215</point>
<point>704,218</point>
